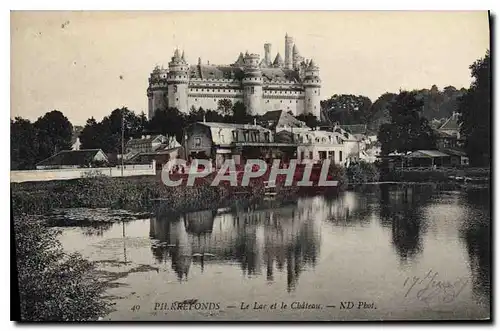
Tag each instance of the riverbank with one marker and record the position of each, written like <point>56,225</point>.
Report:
<point>435,175</point>
<point>138,193</point>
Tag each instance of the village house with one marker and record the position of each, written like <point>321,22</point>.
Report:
<point>83,158</point>
<point>147,143</point>
<point>313,145</point>
<point>159,148</point>
<point>221,141</point>
<point>448,134</point>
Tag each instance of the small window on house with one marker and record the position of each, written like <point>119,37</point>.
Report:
<point>340,156</point>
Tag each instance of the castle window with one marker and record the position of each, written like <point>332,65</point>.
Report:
<point>314,107</point>
<point>296,101</point>
<point>196,90</point>
<point>252,90</point>
<point>175,88</point>
<point>196,100</point>
<point>176,99</point>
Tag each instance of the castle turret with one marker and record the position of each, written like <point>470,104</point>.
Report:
<point>288,52</point>
<point>177,80</point>
<point>312,87</point>
<point>157,91</point>
<point>252,84</point>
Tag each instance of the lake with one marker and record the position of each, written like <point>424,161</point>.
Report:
<point>381,252</point>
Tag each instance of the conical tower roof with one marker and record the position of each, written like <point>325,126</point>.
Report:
<point>278,61</point>
<point>240,60</point>
<point>176,54</point>
<point>312,65</point>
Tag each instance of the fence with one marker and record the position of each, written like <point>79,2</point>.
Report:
<point>17,176</point>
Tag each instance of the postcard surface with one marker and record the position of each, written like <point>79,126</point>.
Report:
<point>251,166</point>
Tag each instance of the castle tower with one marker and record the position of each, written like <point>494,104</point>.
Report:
<point>297,59</point>
<point>252,84</point>
<point>312,87</point>
<point>157,91</point>
<point>267,54</point>
<point>177,80</point>
<point>288,52</point>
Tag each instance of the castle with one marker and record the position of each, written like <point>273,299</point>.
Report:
<point>291,85</point>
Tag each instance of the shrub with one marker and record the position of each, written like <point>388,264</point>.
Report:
<point>54,286</point>
<point>362,172</point>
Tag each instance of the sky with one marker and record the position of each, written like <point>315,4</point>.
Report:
<point>85,64</point>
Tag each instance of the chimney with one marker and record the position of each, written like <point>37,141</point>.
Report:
<point>267,53</point>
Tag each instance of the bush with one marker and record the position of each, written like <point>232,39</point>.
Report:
<point>54,286</point>
<point>362,172</point>
<point>339,173</point>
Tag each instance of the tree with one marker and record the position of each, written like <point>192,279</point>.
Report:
<point>474,108</point>
<point>168,122</point>
<point>91,135</point>
<point>310,120</point>
<point>240,114</point>
<point>224,106</point>
<point>408,129</point>
<point>54,134</point>
<point>53,285</point>
<point>347,109</point>
<point>23,144</point>
<point>107,134</point>
<point>380,112</point>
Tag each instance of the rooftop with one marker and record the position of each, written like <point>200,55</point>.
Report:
<point>71,157</point>
<point>427,153</point>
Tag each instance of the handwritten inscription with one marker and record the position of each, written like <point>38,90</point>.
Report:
<point>430,289</point>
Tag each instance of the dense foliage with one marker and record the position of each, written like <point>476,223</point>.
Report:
<point>33,142</point>
<point>362,172</point>
<point>348,109</point>
<point>475,109</point>
<point>54,286</point>
<point>408,130</point>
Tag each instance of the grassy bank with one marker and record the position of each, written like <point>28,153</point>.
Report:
<point>132,193</point>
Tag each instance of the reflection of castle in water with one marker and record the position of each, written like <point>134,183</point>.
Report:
<point>258,239</point>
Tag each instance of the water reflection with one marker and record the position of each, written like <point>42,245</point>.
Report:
<point>401,210</point>
<point>476,232</point>
<point>259,239</point>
